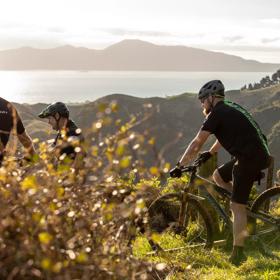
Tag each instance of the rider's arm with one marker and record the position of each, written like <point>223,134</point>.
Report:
<point>19,130</point>
<point>216,146</point>
<point>194,147</point>
<point>26,141</point>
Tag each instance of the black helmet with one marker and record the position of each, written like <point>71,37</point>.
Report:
<point>52,109</point>
<point>215,88</point>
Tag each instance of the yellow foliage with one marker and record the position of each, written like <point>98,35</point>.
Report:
<point>44,156</point>
<point>118,122</point>
<point>36,217</point>
<point>94,151</point>
<point>109,155</point>
<point>5,192</point>
<point>52,206</point>
<point>154,171</point>
<point>152,141</point>
<point>125,162</point>
<point>46,263</point>
<point>57,267</point>
<point>65,215</point>
<point>60,192</point>
<point>45,237</point>
<point>29,183</point>
<point>82,257</point>
<point>102,107</point>
<point>123,128</point>
<point>114,107</point>
<point>120,150</point>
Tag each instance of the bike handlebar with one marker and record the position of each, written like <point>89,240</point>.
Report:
<point>177,171</point>
<point>189,168</point>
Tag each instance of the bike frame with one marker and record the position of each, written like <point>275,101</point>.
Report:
<point>214,203</point>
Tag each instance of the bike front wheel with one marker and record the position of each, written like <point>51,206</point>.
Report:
<point>265,226</point>
<point>166,234</point>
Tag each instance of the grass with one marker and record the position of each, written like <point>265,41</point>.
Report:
<point>196,264</point>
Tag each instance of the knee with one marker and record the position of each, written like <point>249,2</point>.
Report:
<point>216,177</point>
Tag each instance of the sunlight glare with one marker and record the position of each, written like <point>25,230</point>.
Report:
<point>11,84</point>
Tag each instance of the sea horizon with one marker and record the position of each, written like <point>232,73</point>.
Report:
<point>32,87</point>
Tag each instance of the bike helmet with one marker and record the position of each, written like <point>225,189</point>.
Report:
<point>214,87</point>
<point>52,109</point>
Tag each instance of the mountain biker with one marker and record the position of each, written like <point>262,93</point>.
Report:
<point>11,123</point>
<point>68,133</point>
<point>237,132</point>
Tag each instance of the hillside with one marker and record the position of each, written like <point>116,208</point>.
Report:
<point>172,121</point>
<point>133,55</point>
<point>60,222</point>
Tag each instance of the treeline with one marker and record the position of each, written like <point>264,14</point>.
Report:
<point>264,82</point>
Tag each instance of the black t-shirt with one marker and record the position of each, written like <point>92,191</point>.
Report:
<point>9,121</point>
<point>71,130</point>
<point>236,131</point>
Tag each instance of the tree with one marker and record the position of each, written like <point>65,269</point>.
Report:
<point>278,73</point>
<point>263,82</point>
<point>274,77</point>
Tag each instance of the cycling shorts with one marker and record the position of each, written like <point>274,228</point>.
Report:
<point>242,173</point>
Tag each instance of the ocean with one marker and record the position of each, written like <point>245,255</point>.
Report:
<point>78,86</point>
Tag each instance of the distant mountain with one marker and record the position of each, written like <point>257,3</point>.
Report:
<point>170,117</point>
<point>130,55</point>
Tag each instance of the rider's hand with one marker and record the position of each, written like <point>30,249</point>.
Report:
<point>175,172</point>
<point>203,157</point>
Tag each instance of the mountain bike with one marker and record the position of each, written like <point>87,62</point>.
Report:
<point>184,216</point>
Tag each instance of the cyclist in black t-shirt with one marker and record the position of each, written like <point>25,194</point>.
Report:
<point>10,122</point>
<point>68,132</point>
<point>237,132</point>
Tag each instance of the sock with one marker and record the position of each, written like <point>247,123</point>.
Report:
<point>237,250</point>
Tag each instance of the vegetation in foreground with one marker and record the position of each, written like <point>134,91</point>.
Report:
<point>58,222</point>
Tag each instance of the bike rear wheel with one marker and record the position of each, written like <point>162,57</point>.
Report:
<point>163,224</point>
<point>266,226</point>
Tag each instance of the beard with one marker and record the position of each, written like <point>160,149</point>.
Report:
<point>206,112</point>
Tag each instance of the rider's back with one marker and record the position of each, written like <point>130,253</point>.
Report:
<point>236,131</point>
<point>9,120</point>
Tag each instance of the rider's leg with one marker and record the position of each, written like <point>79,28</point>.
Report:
<point>239,233</point>
<point>239,223</point>
<point>244,174</point>
<point>223,175</point>
<point>220,182</point>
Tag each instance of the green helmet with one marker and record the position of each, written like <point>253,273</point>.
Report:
<point>52,109</point>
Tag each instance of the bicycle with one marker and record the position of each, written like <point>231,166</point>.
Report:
<point>190,222</point>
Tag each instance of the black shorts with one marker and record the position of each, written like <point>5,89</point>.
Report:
<point>242,174</point>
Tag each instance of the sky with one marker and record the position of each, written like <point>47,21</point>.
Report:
<point>247,28</point>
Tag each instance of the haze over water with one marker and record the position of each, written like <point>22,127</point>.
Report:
<point>73,86</point>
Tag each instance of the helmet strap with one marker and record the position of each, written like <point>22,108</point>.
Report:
<point>57,120</point>
<point>211,103</point>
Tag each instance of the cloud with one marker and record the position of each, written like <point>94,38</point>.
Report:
<point>16,41</point>
<point>246,48</point>
<point>270,40</point>
<point>232,39</point>
<point>123,32</point>
<point>272,21</point>
<point>56,30</point>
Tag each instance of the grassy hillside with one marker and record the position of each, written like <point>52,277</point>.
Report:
<point>213,265</point>
<point>73,220</point>
<point>172,121</point>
